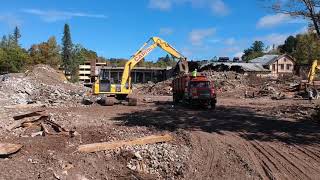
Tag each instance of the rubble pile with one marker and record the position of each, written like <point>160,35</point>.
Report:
<point>157,89</point>
<point>163,160</point>
<point>226,81</point>
<point>41,85</point>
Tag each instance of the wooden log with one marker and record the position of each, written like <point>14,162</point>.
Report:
<point>116,144</point>
<point>7,148</point>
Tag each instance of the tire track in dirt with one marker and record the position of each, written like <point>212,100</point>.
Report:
<point>215,156</point>
<point>287,165</point>
<point>298,161</point>
<point>204,149</point>
<point>282,161</point>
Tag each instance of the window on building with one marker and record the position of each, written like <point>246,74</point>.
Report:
<point>285,60</point>
<point>273,67</point>
<point>288,66</point>
<point>281,66</point>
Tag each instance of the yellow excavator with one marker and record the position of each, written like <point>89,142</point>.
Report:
<point>103,85</point>
<point>311,87</point>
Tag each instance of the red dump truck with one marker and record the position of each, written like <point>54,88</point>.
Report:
<point>194,91</point>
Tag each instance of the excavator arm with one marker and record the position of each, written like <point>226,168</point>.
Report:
<point>143,52</point>
<point>312,73</point>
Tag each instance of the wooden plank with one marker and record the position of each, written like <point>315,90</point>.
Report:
<point>7,148</point>
<point>116,144</point>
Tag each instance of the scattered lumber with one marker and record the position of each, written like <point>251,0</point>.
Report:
<point>7,148</point>
<point>43,120</point>
<point>116,144</point>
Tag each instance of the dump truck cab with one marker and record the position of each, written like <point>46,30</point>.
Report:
<point>196,91</point>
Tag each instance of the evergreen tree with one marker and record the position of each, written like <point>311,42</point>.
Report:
<point>16,35</point>
<point>256,50</point>
<point>67,48</point>
<point>289,45</point>
<point>4,42</point>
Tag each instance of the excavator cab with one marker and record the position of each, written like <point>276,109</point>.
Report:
<point>104,81</point>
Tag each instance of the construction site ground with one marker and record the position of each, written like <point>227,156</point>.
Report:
<point>255,138</point>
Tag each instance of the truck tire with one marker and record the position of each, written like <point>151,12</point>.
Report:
<point>213,104</point>
<point>175,99</point>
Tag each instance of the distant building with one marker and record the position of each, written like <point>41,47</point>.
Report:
<point>223,59</point>
<point>236,59</point>
<point>89,70</point>
<point>277,64</point>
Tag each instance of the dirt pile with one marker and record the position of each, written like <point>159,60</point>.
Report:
<point>157,89</point>
<point>42,84</point>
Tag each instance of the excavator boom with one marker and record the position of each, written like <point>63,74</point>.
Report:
<point>313,70</point>
<point>142,52</point>
<point>104,86</point>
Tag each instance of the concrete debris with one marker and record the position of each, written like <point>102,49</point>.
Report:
<point>42,85</point>
<point>163,160</point>
<point>157,89</point>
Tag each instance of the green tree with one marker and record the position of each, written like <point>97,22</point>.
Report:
<point>13,59</point>
<point>46,53</point>
<point>54,58</point>
<point>256,50</point>
<point>78,57</point>
<point>4,42</point>
<point>16,35</point>
<point>307,48</point>
<point>257,46</point>
<point>67,48</point>
<point>289,45</point>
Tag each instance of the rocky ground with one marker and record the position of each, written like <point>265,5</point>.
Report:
<point>244,138</point>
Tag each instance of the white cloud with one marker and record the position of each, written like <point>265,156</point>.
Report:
<point>230,41</point>
<point>238,54</point>
<point>274,38</point>
<point>10,20</point>
<point>54,15</point>
<point>197,36</point>
<point>166,31</point>
<point>276,19</point>
<point>160,4</point>
<point>217,7</point>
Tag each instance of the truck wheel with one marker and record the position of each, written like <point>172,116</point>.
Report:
<point>213,105</point>
<point>175,99</point>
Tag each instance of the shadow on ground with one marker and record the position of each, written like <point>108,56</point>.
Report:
<point>243,120</point>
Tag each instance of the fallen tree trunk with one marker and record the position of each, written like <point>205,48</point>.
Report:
<point>116,144</point>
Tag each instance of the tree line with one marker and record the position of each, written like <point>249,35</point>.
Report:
<point>15,58</point>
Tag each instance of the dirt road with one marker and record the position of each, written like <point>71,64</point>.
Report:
<point>241,139</point>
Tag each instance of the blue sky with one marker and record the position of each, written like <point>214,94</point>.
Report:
<point>199,29</point>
